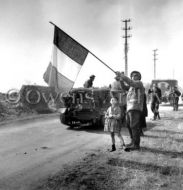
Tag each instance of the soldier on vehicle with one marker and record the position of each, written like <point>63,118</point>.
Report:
<point>89,82</point>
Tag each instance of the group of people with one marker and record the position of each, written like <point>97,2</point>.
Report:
<point>131,110</point>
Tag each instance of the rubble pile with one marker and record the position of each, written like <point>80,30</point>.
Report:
<point>9,110</point>
<point>30,100</point>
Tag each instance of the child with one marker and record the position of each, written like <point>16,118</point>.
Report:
<point>113,122</point>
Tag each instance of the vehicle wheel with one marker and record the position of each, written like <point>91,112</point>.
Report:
<point>71,126</point>
<point>102,121</point>
<point>63,119</point>
<point>96,123</point>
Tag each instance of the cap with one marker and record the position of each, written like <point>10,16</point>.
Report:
<point>92,76</point>
<point>135,72</point>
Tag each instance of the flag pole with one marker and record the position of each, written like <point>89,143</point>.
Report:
<point>87,50</point>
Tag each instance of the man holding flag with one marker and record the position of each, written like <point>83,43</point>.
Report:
<point>135,99</point>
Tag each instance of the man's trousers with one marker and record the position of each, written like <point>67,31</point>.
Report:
<point>133,119</point>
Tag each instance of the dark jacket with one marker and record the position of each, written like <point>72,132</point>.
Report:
<point>88,83</point>
<point>145,110</point>
<point>155,95</point>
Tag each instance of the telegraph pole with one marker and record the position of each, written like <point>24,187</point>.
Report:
<point>126,36</point>
<point>155,54</point>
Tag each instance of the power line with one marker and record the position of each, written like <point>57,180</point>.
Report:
<point>155,58</point>
<point>126,48</point>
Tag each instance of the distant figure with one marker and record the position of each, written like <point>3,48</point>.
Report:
<point>89,82</point>
<point>155,100</point>
<point>174,94</point>
<point>144,114</point>
<point>158,90</point>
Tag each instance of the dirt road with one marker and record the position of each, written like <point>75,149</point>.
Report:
<point>156,166</point>
<point>33,150</point>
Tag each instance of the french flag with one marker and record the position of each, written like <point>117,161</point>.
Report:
<point>68,56</point>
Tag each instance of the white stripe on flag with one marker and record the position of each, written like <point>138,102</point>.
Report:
<point>54,79</point>
<point>68,56</point>
<point>65,65</point>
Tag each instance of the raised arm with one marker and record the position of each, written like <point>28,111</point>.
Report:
<point>125,87</point>
<point>135,84</point>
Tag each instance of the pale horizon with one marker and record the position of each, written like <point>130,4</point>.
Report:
<point>26,38</point>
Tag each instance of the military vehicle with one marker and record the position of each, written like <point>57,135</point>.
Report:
<point>166,86</point>
<point>85,106</point>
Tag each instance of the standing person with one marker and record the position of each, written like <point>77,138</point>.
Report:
<point>155,101</point>
<point>115,87</point>
<point>175,96</point>
<point>113,122</point>
<point>144,115</point>
<point>117,90</point>
<point>158,90</point>
<point>135,98</point>
<point>89,82</point>
<point>159,98</point>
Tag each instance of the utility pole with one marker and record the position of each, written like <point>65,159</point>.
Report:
<point>155,54</point>
<point>126,36</point>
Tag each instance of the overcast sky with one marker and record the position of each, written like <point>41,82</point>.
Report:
<point>26,37</point>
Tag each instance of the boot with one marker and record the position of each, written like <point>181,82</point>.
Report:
<point>113,148</point>
<point>135,147</point>
<point>131,148</point>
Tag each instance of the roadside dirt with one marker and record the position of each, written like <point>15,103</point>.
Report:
<point>158,165</point>
<point>33,150</point>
